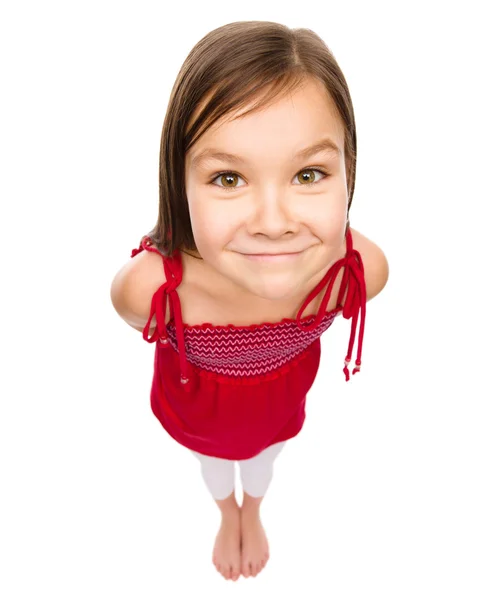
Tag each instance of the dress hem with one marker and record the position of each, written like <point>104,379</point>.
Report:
<point>276,440</point>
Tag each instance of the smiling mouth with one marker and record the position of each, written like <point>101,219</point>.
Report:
<point>273,257</point>
<point>270,253</point>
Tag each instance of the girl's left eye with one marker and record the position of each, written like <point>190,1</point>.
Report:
<point>233,174</point>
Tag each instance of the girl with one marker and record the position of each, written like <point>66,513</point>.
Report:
<point>257,175</point>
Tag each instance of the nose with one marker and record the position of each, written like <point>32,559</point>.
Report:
<point>271,216</point>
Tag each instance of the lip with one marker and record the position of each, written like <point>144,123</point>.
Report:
<point>273,257</point>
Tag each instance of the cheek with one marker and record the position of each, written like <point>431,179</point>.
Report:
<point>209,226</point>
<point>329,222</point>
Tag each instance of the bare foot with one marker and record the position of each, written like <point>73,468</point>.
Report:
<point>254,551</point>
<point>227,551</point>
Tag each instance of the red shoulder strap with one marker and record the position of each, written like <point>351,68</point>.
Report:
<point>145,244</point>
<point>136,251</point>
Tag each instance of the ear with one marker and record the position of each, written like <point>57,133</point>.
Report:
<point>376,268</point>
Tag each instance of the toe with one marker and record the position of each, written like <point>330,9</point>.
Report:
<point>236,570</point>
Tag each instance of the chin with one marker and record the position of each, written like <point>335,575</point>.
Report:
<point>272,292</point>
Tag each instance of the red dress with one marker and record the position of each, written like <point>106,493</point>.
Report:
<point>230,391</point>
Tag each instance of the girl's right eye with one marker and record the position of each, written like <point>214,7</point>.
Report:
<point>231,176</point>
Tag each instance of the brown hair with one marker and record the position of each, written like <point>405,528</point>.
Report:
<point>227,69</point>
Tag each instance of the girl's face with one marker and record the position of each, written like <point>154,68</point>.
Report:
<point>264,203</point>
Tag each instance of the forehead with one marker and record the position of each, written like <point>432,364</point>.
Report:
<point>326,146</point>
<point>295,126</point>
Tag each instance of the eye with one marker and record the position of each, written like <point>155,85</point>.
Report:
<point>231,177</point>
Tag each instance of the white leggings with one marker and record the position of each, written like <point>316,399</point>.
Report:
<point>256,472</point>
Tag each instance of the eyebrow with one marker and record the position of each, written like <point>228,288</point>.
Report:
<point>325,145</point>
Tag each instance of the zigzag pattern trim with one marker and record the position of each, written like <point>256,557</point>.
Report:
<point>247,352</point>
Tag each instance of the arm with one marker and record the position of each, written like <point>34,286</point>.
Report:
<point>376,268</point>
<point>133,287</point>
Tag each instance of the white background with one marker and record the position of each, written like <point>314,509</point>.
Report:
<point>386,493</point>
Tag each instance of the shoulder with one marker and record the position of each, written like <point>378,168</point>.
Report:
<point>376,268</point>
<point>133,287</point>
